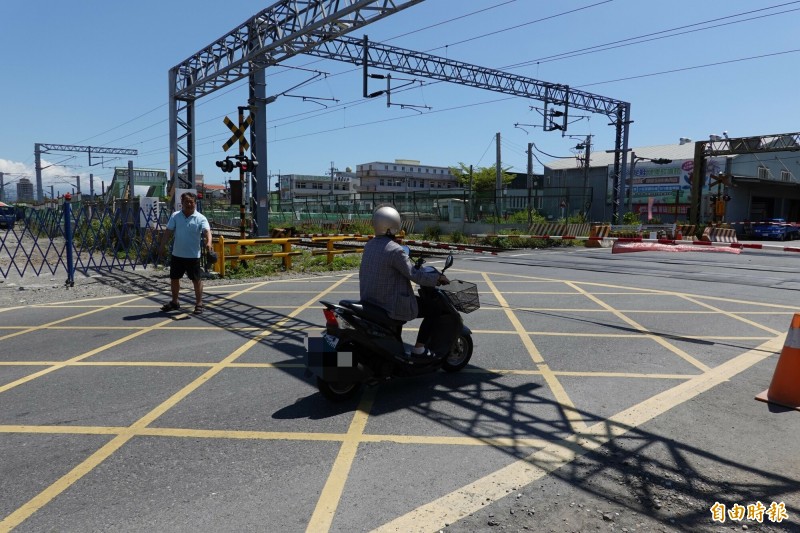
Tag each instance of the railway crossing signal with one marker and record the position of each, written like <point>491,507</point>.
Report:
<point>244,163</point>
<point>238,133</point>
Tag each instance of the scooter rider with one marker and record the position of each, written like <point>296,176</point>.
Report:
<point>385,278</point>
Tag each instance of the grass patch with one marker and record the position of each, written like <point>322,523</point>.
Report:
<point>305,263</point>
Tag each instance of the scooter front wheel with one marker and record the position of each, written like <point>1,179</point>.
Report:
<point>460,355</point>
<point>337,391</point>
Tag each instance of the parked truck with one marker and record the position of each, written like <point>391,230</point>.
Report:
<point>775,228</point>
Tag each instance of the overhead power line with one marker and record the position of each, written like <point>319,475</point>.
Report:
<point>564,55</point>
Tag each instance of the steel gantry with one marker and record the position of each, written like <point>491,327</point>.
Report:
<point>319,28</point>
<point>281,31</point>
<point>369,54</point>
<point>759,144</point>
<point>42,148</point>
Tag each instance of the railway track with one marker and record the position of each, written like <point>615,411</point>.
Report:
<point>420,247</point>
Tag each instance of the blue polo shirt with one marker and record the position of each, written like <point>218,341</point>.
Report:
<point>188,233</point>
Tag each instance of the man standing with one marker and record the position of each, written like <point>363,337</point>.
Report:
<point>192,236</point>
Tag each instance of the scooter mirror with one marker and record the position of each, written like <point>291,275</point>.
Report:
<point>448,263</point>
<point>406,249</point>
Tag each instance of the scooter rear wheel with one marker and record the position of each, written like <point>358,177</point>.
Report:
<point>460,355</point>
<point>336,391</point>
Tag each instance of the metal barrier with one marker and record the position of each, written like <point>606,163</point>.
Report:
<point>98,238</point>
<point>330,251</point>
<point>226,251</point>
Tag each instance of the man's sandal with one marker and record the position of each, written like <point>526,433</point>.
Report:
<point>170,306</point>
<point>198,310</point>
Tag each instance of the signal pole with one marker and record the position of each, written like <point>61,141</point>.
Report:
<point>530,181</point>
<point>498,181</point>
<point>241,177</point>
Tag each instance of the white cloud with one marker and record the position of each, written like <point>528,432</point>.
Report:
<point>61,178</point>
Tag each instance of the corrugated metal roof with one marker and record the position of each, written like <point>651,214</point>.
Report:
<point>603,159</point>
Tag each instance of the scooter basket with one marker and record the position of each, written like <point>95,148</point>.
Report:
<point>463,295</point>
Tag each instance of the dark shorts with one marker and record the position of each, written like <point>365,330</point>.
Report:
<point>184,265</point>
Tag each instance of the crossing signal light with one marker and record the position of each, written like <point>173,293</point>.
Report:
<point>247,165</point>
<point>226,165</point>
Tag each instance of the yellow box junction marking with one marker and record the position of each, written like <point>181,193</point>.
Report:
<point>47,495</point>
<point>470,498</point>
<point>561,396</point>
<point>551,455</point>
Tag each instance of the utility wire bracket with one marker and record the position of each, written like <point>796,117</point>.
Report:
<point>388,90</point>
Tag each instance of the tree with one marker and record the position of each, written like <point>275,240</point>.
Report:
<point>484,179</point>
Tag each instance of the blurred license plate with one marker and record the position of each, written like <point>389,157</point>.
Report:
<point>331,340</point>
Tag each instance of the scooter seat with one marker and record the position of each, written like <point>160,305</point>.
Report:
<point>372,312</point>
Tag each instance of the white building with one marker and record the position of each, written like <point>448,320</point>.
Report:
<point>295,186</point>
<point>403,175</point>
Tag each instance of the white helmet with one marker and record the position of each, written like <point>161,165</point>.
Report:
<point>386,221</point>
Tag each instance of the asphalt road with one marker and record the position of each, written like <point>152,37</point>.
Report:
<point>606,392</point>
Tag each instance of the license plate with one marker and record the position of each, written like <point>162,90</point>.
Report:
<point>331,340</point>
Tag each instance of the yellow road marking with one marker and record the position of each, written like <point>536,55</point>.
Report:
<point>731,315</point>
<point>550,454</point>
<point>499,371</point>
<point>280,435</point>
<point>87,313</point>
<point>322,517</point>
<point>470,498</point>
<point>657,338</point>
<point>561,396</point>
<point>47,495</point>
<point>65,430</point>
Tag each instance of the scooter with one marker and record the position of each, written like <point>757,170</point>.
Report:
<point>362,345</point>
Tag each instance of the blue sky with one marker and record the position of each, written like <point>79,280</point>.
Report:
<point>94,72</point>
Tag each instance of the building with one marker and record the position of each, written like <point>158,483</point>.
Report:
<point>303,186</point>
<point>760,185</point>
<point>212,191</point>
<point>402,176</point>
<point>146,182</point>
<point>523,192</point>
<point>24,190</point>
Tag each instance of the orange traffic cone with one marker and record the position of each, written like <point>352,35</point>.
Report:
<point>785,386</point>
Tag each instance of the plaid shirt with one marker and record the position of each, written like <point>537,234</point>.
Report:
<point>385,278</point>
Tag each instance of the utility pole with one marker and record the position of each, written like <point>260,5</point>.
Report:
<point>471,196</point>
<point>333,171</point>
<point>586,171</point>
<point>130,182</point>
<point>498,181</point>
<point>530,181</point>
<point>2,188</point>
